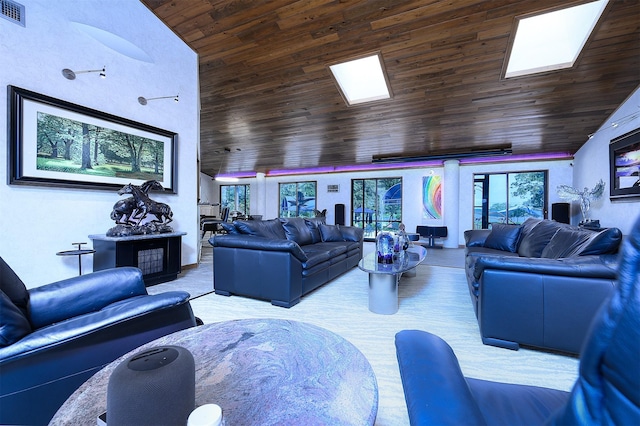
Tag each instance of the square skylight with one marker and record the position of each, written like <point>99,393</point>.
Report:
<point>553,40</point>
<point>361,80</point>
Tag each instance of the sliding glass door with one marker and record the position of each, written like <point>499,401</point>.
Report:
<point>509,197</point>
<point>236,197</point>
<point>376,205</point>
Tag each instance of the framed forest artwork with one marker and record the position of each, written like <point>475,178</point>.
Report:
<point>57,143</point>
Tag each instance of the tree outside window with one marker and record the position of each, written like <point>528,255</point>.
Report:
<point>509,198</point>
<point>376,205</point>
<point>236,197</point>
<point>297,199</point>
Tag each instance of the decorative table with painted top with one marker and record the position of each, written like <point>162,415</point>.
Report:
<point>261,372</point>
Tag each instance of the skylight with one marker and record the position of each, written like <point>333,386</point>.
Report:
<point>361,80</point>
<point>552,41</point>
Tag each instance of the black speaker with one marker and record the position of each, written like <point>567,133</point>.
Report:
<point>560,212</point>
<point>339,214</point>
<point>154,387</point>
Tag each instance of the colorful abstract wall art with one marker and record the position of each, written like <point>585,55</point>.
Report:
<point>432,197</point>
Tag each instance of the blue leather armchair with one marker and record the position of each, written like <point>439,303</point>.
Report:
<point>54,337</point>
<point>607,390</point>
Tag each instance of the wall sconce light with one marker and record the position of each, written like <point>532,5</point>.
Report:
<point>143,101</point>
<point>71,75</point>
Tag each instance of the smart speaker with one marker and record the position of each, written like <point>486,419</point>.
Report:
<point>154,387</point>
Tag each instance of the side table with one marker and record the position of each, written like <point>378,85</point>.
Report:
<point>78,252</point>
<point>158,256</point>
<point>383,278</point>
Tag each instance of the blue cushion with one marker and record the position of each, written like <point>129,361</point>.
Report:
<point>262,228</point>
<point>13,287</point>
<point>295,228</point>
<point>229,228</point>
<point>330,233</point>
<point>503,237</point>
<point>566,242</point>
<point>313,223</point>
<point>604,242</point>
<point>13,324</point>
<point>352,233</point>
<point>536,234</point>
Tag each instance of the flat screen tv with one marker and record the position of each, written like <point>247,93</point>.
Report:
<point>624,161</point>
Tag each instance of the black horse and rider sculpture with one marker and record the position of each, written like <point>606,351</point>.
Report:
<point>130,213</point>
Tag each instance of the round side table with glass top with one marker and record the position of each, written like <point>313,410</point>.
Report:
<point>77,252</point>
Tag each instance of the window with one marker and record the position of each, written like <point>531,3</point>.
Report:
<point>236,197</point>
<point>361,80</point>
<point>509,198</point>
<point>553,40</point>
<point>298,199</point>
<point>376,205</point>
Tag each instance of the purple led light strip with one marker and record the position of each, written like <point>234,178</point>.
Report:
<point>407,165</point>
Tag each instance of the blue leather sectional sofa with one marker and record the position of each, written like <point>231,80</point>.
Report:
<point>54,337</point>
<point>541,283</point>
<point>281,260</point>
<point>607,391</point>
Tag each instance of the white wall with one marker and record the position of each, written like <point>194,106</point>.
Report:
<point>36,221</point>
<point>207,189</point>
<point>560,172</point>
<point>592,164</point>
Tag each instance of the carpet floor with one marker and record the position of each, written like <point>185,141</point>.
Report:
<point>435,300</point>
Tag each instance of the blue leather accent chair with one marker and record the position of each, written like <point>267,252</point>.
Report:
<point>54,337</point>
<point>607,390</point>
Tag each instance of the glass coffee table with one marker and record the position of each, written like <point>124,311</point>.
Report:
<point>383,278</point>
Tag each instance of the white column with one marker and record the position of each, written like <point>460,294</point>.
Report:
<point>261,195</point>
<point>451,199</point>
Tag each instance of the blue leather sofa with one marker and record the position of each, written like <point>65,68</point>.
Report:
<point>607,391</point>
<point>54,337</point>
<point>281,260</point>
<point>539,284</point>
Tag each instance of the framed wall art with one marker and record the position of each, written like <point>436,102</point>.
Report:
<point>56,143</point>
<point>624,166</point>
<point>432,197</point>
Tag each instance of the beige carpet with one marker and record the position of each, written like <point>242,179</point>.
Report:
<point>435,300</point>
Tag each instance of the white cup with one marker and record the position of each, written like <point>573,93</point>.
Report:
<point>206,415</point>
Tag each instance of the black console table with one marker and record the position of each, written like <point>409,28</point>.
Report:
<point>157,255</point>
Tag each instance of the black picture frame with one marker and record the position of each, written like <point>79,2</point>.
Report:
<point>50,144</point>
<point>624,166</point>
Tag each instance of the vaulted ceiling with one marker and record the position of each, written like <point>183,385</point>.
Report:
<point>267,94</point>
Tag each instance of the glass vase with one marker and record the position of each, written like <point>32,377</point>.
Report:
<point>384,247</point>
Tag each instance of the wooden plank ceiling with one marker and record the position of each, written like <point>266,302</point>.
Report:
<point>266,90</point>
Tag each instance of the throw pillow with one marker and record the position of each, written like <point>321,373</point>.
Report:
<point>476,237</point>
<point>604,242</point>
<point>566,243</point>
<point>313,223</point>
<point>13,287</point>
<point>330,232</point>
<point>503,237</point>
<point>13,324</point>
<point>296,230</point>
<point>535,239</point>
<point>351,233</point>
<point>229,228</point>
<point>261,228</point>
